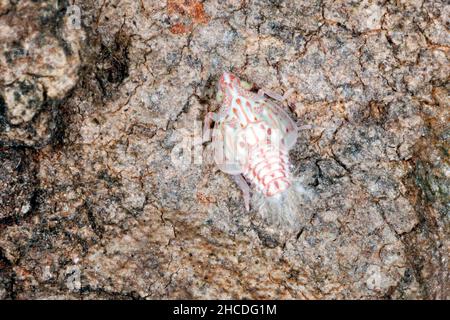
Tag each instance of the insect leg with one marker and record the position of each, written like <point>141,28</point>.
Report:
<point>240,181</point>
<point>309,127</point>
<point>209,118</point>
<point>275,95</point>
<point>306,127</point>
<point>280,98</point>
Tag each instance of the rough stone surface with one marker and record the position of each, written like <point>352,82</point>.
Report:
<point>17,183</point>
<point>92,205</point>
<point>39,64</point>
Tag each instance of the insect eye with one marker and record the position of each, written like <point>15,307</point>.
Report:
<point>246,85</point>
<point>219,96</point>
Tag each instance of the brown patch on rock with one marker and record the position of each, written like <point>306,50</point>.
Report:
<point>180,28</point>
<point>205,199</point>
<point>193,11</point>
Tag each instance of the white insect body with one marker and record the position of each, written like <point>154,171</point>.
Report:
<point>252,137</point>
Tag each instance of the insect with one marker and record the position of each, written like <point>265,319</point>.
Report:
<point>251,140</point>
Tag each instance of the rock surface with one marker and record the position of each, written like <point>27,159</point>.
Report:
<point>97,98</point>
<point>39,64</point>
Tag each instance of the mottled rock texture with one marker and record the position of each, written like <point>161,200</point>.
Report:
<point>92,205</point>
<point>39,62</point>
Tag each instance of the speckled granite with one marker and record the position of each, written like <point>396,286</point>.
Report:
<point>93,207</point>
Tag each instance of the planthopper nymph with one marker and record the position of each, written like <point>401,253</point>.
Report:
<point>251,139</point>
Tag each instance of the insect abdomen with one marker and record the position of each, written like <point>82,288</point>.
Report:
<point>268,169</point>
